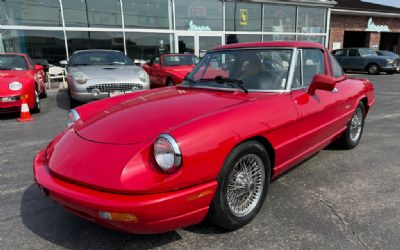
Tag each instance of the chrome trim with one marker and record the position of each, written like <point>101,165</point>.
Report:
<point>289,81</point>
<point>177,151</point>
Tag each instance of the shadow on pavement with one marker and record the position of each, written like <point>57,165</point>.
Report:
<point>52,223</point>
<point>9,116</point>
<point>62,99</point>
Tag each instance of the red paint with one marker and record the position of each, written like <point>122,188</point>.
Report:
<point>105,161</point>
<point>160,73</point>
<point>31,79</point>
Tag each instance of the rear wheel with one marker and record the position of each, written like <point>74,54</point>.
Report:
<point>373,69</point>
<point>242,186</point>
<point>352,135</point>
<point>36,106</point>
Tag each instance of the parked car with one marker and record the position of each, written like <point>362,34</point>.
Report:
<point>361,59</point>
<point>46,65</point>
<point>393,55</point>
<point>20,77</point>
<point>98,74</point>
<point>162,159</point>
<point>169,69</point>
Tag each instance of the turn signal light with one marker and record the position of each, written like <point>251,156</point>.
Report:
<point>127,217</point>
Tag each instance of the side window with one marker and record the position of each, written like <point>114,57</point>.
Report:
<point>340,52</point>
<point>353,52</point>
<point>313,64</point>
<point>336,68</point>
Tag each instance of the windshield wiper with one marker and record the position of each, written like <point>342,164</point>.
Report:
<point>235,83</point>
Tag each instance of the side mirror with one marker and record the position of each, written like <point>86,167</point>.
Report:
<point>322,82</point>
<point>64,63</point>
<point>37,67</point>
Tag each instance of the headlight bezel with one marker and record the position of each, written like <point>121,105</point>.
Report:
<point>390,60</point>
<point>79,77</point>
<point>173,151</point>
<point>143,76</point>
<point>17,86</point>
<point>73,116</point>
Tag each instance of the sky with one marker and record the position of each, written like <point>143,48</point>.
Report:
<point>393,3</point>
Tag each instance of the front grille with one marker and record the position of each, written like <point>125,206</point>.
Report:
<point>111,87</point>
<point>396,62</point>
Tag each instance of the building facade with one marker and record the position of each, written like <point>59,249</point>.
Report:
<point>54,29</point>
<point>359,23</point>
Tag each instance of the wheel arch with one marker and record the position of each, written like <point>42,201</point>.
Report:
<point>268,147</point>
<point>372,63</point>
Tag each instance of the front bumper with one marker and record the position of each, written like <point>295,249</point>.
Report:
<point>391,68</point>
<point>155,213</point>
<point>10,106</point>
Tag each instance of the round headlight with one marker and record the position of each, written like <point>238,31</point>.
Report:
<point>143,76</point>
<point>73,116</point>
<point>167,153</point>
<point>80,77</point>
<point>15,86</point>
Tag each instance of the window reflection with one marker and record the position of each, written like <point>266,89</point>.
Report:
<point>80,40</point>
<point>198,15</point>
<point>318,39</point>
<point>247,16</point>
<point>92,13</point>
<point>32,12</point>
<point>155,14</point>
<point>279,18</point>
<point>277,37</point>
<point>240,38</point>
<point>42,44</point>
<point>311,20</point>
<point>145,45</point>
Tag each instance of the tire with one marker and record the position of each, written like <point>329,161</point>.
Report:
<point>373,69</point>
<point>233,178</point>
<point>352,135</point>
<point>36,106</point>
<point>170,83</point>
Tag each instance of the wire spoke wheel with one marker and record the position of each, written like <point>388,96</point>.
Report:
<point>356,125</point>
<point>245,185</point>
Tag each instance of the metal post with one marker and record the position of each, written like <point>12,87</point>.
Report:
<point>64,31</point>
<point>123,26</point>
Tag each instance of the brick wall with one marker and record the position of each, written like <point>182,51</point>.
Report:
<point>340,24</point>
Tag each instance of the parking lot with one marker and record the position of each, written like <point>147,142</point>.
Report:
<point>334,200</point>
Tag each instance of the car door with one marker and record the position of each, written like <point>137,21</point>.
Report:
<point>341,56</point>
<point>318,113</point>
<point>355,60</point>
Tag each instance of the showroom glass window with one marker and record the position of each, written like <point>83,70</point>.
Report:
<point>279,18</point>
<point>317,39</point>
<point>145,45</point>
<point>311,20</point>
<point>32,12</point>
<point>279,37</point>
<point>241,38</point>
<point>155,14</point>
<point>92,13</point>
<point>247,16</point>
<point>48,45</point>
<point>80,40</point>
<point>198,15</point>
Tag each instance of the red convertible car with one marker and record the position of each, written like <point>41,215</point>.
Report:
<point>166,158</point>
<point>169,69</point>
<point>19,78</point>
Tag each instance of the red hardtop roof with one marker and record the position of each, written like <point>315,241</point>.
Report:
<point>284,44</point>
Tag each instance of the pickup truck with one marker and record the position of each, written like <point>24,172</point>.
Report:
<point>361,59</point>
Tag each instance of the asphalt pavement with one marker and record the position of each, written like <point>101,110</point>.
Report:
<point>334,200</point>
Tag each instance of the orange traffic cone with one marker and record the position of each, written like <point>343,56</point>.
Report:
<point>25,114</point>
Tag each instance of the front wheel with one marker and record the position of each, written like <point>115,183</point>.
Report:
<point>352,135</point>
<point>36,106</point>
<point>373,69</point>
<point>242,186</point>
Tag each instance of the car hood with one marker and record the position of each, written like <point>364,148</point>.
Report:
<point>143,117</point>
<point>8,76</point>
<point>108,73</point>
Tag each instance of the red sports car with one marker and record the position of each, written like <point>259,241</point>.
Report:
<point>166,158</point>
<point>19,78</point>
<point>169,69</point>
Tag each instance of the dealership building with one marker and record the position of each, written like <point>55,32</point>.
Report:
<point>365,23</point>
<point>54,29</point>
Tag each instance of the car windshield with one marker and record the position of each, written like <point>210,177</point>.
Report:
<point>367,52</point>
<point>177,60</point>
<point>89,58</point>
<point>250,69</point>
<point>13,62</point>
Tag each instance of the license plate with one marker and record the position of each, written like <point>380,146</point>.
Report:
<point>116,93</point>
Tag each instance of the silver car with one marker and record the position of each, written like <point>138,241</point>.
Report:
<point>98,74</point>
